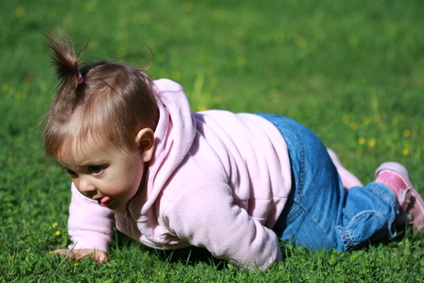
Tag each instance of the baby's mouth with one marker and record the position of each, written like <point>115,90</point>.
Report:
<point>105,201</point>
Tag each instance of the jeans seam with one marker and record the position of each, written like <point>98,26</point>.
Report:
<point>301,149</point>
<point>395,205</point>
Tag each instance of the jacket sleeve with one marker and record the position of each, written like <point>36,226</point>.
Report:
<point>90,225</point>
<point>208,217</point>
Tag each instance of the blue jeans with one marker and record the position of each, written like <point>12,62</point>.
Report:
<point>320,213</point>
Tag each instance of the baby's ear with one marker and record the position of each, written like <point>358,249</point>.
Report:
<point>145,141</point>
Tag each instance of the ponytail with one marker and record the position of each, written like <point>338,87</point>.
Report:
<point>111,100</point>
<point>65,58</point>
<point>66,62</point>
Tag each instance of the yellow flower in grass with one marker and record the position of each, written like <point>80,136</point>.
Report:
<point>354,126</point>
<point>57,233</point>
<point>405,151</point>
<point>240,32</point>
<point>346,120</point>
<point>218,99</point>
<point>361,140</point>
<point>406,133</point>
<point>302,42</point>
<point>54,225</point>
<point>176,75</point>
<point>366,120</point>
<point>187,7</point>
<point>371,143</point>
<point>19,12</point>
<point>241,61</point>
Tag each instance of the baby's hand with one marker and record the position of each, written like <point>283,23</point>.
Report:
<point>97,255</point>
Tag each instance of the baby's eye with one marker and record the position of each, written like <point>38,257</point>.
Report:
<point>95,169</point>
<point>71,173</point>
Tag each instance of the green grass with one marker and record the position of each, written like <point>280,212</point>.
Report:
<point>353,71</point>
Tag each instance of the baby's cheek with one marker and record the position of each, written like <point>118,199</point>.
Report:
<point>121,189</point>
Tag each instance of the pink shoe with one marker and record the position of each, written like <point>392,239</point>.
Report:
<point>348,179</point>
<point>411,204</point>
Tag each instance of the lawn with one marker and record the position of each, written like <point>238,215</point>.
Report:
<point>352,71</point>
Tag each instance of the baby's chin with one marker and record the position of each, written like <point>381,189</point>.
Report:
<point>112,203</point>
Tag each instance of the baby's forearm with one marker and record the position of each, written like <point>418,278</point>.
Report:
<point>90,225</point>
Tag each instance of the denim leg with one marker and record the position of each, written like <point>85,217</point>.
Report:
<point>368,215</point>
<point>320,213</point>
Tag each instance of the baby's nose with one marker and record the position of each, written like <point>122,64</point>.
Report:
<point>86,188</point>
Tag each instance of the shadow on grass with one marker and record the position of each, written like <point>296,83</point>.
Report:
<point>192,256</point>
<point>185,256</point>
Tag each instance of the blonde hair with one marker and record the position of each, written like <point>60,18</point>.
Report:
<point>107,100</point>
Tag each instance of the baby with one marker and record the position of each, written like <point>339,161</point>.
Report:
<point>235,184</point>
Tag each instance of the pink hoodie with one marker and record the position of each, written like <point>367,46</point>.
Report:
<point>218,180</point>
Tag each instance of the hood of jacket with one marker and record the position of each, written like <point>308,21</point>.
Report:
<point>174,136</point>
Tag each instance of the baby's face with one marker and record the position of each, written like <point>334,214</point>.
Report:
<point>105,174</point>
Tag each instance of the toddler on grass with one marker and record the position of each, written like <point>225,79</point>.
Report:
<point>235,184</point>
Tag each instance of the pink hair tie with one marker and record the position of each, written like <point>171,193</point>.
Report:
<point>80,78</point>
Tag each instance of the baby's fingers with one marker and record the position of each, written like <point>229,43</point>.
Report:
<point>77,254</point>
<point>68,253</point>
<point>99,256</point>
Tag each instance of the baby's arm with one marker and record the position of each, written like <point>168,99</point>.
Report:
<point>208,217</point>
<point>90,227</point>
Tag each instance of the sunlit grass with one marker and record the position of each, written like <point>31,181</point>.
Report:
<point>351,71</point>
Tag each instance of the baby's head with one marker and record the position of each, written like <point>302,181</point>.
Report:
<point>103,101</point>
